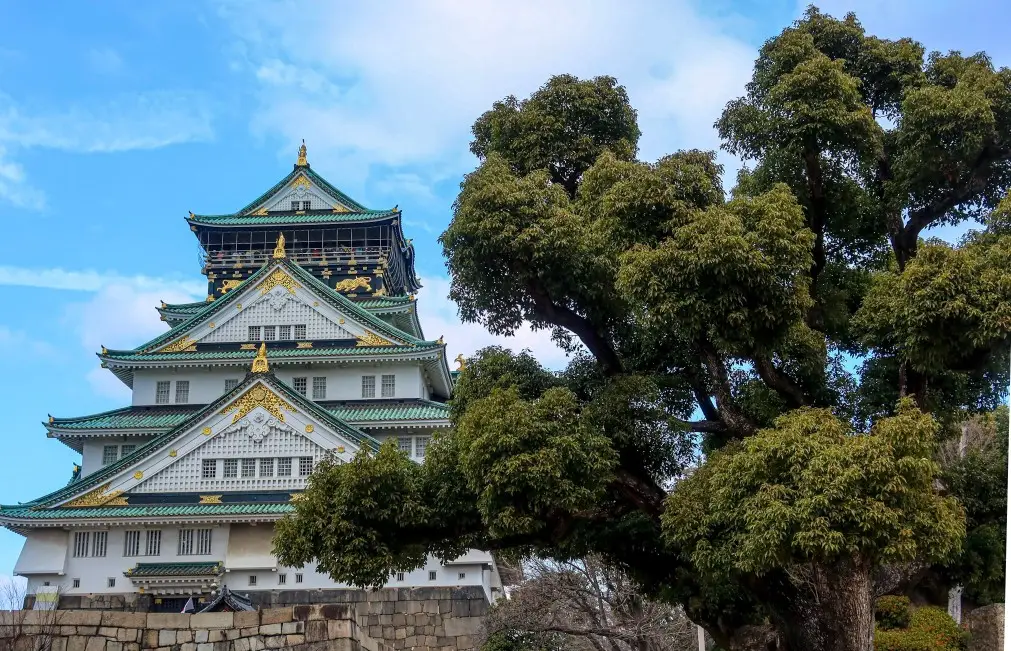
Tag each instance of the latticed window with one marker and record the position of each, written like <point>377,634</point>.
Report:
<point>368,386</point>
<point>404,444</point>
<point>284,467</point>
<point>249,467</point>
<point>420,445</point>
<point>282,579</point>
<point>306,205</point>
<point>304,466</point>
<point>294,206</point>
<point>209,469</point>
<point>109,454</point>
<point>300,331</point>
<point>319,388</point>
<point>432,575</point>
<point>230,384</point>
<point>182,391</point>
<point>252,577</point>
<point>231,468</point>
<point>100,543</point>
<point>185,542</point>
<point>298,578</point>
<point>254,333</point>
<point>131,543</point>
<point>152,545</point>
<point>127,450</point>
<point>266,467</point>
<point>284,332</point>
<point>81,540</point>
<point>300,384</point>
<point>161,392</point>
<point>389,387</point>
<point>269,332</point>
<point>203,542</point>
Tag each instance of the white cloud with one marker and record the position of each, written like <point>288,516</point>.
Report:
<point>93,281</point>
<point>16,340</point>
<point>13,187</point>
<point>400,83</point>
<point>438,316</point>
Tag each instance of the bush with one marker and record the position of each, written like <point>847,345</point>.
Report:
<point>930,629</point>
<point>891,612</point>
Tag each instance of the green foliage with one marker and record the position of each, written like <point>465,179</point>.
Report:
<point>930,629</point>
<point>892,611</point>
<point>495,367</point>
<point>508,640</point>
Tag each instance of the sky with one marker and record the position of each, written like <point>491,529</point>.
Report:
<point>117,118</point>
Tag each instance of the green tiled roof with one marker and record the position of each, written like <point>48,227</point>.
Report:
<point>367,412</point>
<point>25,512</point>
<point>184,308</point>
<point>128,418</point>
<point>212,568</point>
<point>321,217</point>
<point>313,176</point>
<point>284,353</point>
<point>384,301</point>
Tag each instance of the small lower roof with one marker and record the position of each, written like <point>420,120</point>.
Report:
<point>212,568</point>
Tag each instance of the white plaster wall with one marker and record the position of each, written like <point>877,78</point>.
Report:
<point>344,382</point>
<point>92,450</point>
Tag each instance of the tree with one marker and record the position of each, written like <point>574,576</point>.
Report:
<point>800,328</point>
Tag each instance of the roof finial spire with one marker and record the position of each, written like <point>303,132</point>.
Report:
<point>260,361</point>
<point>279,249</point>
<point>302,162</point>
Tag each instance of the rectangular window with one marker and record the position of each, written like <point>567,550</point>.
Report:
<point>300,331</point>
<point>284,467</point>
<point>185,542</point>
<point>268,333</point>
<point>306,205</point>
<point>304,466</point>
<point>109,454</point>
<point>282,579</point>
<point>81,540</point>
<point>294,206</point>
<point>131,543</point>
<point>112,582</point>
<point>300,384</point>
<point>319,388</point>
<point>389,388</point>
<point>284,332</point>
<point>249,467</point>
<point>152,546</point>
<point>127,450</point>
<point>161,392</point>
<point>203,542</point>
<point>298,578</point>
<point>266,467</point>
<point>252,579</point>
<point>77,583</point>
<point>432,576</point>
<point>209,470</point>
<point>462,576</point>
<point>368,386</point>
<point>420,445</point>
<point>231,468</point>
<point>230,384</point>
<point>404,444</point>
<point>254,333</point>
<point>400,576</point>
<point>100,543</point>
<point>182,391</point>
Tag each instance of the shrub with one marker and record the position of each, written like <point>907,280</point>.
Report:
<point>930,629</point>
<point>891,612</point>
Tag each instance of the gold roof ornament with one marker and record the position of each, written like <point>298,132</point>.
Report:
<point>163,306</point>
<point>51,419</point>
<point>105,351</point>
<point>302,161</point>
<point>461,361</point>
<point>440,341</point>
<point>279,249</point>
<point>260,361</point>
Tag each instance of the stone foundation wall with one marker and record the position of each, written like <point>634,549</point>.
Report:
<point>383,622</point>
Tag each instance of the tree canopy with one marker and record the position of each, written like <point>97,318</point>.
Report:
<point>801,328</point>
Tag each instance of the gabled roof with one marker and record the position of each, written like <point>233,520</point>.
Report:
<point>228,601</point>
<point>112,470</point>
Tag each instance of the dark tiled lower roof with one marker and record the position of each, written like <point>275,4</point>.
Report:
<point>212,568</point>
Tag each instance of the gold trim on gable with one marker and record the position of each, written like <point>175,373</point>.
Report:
<point>258,396</point>
<point>97,497</point>
<point>372,339</point>
<point>210,499</point>
<point>186,344</point>
<point>279,277</point>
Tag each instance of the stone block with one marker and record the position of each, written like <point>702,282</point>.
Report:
<point>276,616</point>
<point>95,643</point>
<point>386,620</point>
<point>124,620</point>
<point>256,643</point>
<point>400,606</point>
<point>182,637</point>
<point>375,631</point>
<point>127,634</point>
<point>90,631</point>
<point>131,646</point>
<point>200,636</point>
<point>59,644</point>
<point>398,644</point>
<point>211,620</point>
<point>445,606</point>
<point>81,618</point>
<point>166,637</point>
<point>338,629</point>
<point>463,626</point>
<point>150,639</point>
<point>77,643</point>
<point>241,644</point>
<point>275,642</point>
<point>398,634</point>
<point>68,630</point>
<point>415,606</point>
<point>399,620</point>
<point>430,606</point>
<point>336,611</point>
<point>107,631</point>
<point>232,634</point>
<point>389,607</point>
<point>205,646</point>
<point>168,620</point>
<point>315,630</point>
<point>216,635</point>
<point>249,632</point>
<point>113,646</point>
<point>411,641</point>
<point>292,640</point>
<point>478,607</point>
<point>246,619</point>
<point>461,609</point>
<point>466,641</point>
<point>188,646</point>
<point>431,641</point>
<point>270,629</point>
<point>986,628</point>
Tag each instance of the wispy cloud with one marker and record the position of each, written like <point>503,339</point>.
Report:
<point>93,281</point>
<point>105,60</point>
<point>16,340</point>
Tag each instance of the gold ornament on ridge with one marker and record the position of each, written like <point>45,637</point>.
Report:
<point>372,339</point>
<point>260,361</point>
<point>279,277</point>
<point>258,396</point>
<point>351,284</point>
<point>279,249</point>
<point>302,161</point>
<point>186,344</point>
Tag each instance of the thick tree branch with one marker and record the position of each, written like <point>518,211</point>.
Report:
<point>729,412</point>
<point>779,382</point>
<point>817,212</point>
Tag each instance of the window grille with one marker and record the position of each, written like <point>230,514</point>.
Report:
<point>284,332</point>
<point>77,583</point>
<point>404,444</point>
<point>131,543</point>
<point>182,391</point>
<point>231,468</point>
<point>252,579</point>
<point>266,467</point>
<point>109,454</point>
<point>304,466</point>
<point>161,394</point>
<point>112,582</point>
<point>420,446</point>
<point>282,579</point>
<point>300,331</point>
<point>254,333</point>
<point>127,450</point>
<point>100,543</point>
<point>299,384</point>
<point>432,575</point>
<point>368,386</point>
<point>152,546</point>
<point>230,384</point>
<point>209,469</point>
<point>185,542</point>
<point>400,576</point>
<point>306,205</point>
<point>284,467</point>
<point>294,206</point>
<point>319,388</point>
<point>81,540</point>
<point>298,578</point>
<point>389,387</point>
<point>203,542</point>
<point>249,467</point>
<point>268,333</point>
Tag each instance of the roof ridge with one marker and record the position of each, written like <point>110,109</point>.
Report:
<point>319,180</point>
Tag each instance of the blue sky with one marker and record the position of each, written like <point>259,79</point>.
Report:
<point>116,118</point>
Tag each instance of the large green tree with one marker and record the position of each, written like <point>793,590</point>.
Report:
<point>800,328</point>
